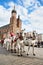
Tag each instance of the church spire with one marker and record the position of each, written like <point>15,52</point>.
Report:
<point>18,17</point>
<point>14,11</point>
<point>14,7</point>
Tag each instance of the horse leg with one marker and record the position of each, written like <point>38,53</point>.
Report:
<point>7,45</point>
<point>33,50</point>
<point>21,50</point>
<point>14,47</point>
<point>28,50</point>
<point>18,48</point>
<point>18,52</point>
<point>11,48</point>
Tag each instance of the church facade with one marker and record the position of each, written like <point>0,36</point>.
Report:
<point>14,25</point>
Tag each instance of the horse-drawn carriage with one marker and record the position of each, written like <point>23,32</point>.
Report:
<point>18,42</point>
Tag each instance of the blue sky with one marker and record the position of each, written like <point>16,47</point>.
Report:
<point>30,11</point>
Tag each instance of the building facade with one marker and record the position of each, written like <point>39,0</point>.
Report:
<point>14,25</point>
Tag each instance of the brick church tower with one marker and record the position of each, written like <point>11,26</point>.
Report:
<point>15,23</point>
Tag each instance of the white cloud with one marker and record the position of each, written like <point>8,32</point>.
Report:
<point>4,16</point>
<point>11,4</point>
<point>28,3</point>
<point>27,27</point>
<point>35,18</point>
<point>23,12</point>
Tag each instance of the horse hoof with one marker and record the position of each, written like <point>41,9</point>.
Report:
<point>27,54</point>
<point>14,51</point>
<point>23,51</point>
<point>18,55</point>
<point>11,51</point>
<point>34,54</point>
<point>21,55</point>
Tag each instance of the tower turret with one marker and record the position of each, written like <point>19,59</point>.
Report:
<point>15,23</point>
<point>14,12</point>
<point>18,21</point>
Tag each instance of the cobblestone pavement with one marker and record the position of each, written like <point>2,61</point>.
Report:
<point>7,58</point>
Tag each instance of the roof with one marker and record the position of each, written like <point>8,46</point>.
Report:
<point>6,26</point>
<point>14,11</point>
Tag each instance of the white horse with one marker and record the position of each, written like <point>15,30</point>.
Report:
<point>29,42</point>
<point>7,43</point>
<point>25,42</point>
<point>19,46</point>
